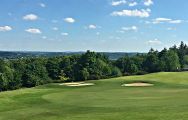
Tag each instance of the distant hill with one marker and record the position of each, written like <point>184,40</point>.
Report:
<point>14,55</point>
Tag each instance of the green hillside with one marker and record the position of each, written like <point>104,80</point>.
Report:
<point>106,100</point>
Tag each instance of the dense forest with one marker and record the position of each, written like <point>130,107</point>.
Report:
<point>30,72</point>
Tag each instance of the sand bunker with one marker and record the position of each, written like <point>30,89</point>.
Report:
<point>77,84</point>
<point>137,85</point>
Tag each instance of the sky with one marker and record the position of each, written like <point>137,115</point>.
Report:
<point>97,25</point>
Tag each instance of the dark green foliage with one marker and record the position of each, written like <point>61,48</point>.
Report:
<point>151,63</point>
<point>115,72</point>
<point>185,60</point>
<point>166,60</point>
<point>130,65</point>
<point>63,76</point>
<point>30,72</point>
<point>84,74</point>
<point>67,64</point>
<point>182,52</point>
<point>172,61</point>
<point>53,68</point>
<point>3,82</point>
<point>92,65</point>
<point>6,76</point>
<point>35,73</point>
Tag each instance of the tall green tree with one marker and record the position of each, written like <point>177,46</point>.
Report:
<point>151,62</point>
<point>172,61</point>
<point>53,68</point>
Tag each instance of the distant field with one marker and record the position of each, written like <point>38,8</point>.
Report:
<point>106,100</point>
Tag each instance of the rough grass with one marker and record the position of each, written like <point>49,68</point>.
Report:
<point>107,100</point>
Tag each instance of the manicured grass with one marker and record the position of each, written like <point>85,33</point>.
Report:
<point>107,100</point>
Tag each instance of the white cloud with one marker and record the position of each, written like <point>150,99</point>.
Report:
<point>148,2</point>
<point>161,20</point>
<point>55,28</point>
<point>5,28</point>
<point>132,13</point>
<point>33,31</point>
<point>30,17</point>
<point>120,2</point>
<point>154,42</point>
<point>132,28</point>
<point>149,10</point>
<point>133,4</point>
<point>42,5</point>
<point>69,20</point>
<point>92,26</point>
<point>166,20</point>
<point>65,34</point>
<point>176,21</point>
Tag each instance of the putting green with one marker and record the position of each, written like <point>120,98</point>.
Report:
<point>106,100</point>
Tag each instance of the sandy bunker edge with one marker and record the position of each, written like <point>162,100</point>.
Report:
<point>77,84</point>
<point>137,84</point>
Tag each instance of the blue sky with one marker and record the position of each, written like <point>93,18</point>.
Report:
<point>98,25</point>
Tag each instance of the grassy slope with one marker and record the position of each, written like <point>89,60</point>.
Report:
<point>107,100</point>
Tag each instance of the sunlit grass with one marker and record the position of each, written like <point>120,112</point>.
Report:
<point>106,100</point>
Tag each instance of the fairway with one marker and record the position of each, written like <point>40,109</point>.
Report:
<point>167,99</point>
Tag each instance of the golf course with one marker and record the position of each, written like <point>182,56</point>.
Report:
<point>108,99</point>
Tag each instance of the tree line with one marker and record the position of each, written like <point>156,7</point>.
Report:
<point>31,72</point>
